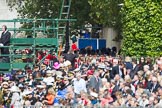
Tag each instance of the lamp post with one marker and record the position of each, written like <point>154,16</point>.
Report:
<point>67,46</point>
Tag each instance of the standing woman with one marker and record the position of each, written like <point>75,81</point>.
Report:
<point>5,41</point>
<point>141,63</point>
<point>15,99</point>
<point>49,100</point>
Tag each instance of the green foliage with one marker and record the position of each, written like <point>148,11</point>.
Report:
<point>51,9</point>
<point>80,10</point>
<point>142,28</point>
<point>36,8</point>
<point>107,13</point>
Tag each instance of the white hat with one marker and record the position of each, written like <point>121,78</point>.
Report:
<point>49,72</point>
<point>14,89</point>
<point>40,86</point>
<point>26,92</point>
<point>59,76</point>
<point>49,83</point>
<point>4,83</point>
<point>58,73</point>
<point>94,94</point>
<point>67,63</point>
<point>102,66</point>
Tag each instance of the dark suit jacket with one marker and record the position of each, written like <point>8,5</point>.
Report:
<point>134,71</point>
<point>150,86</point>
<point>94,84</point>
<point>102,75</point>
<point>71,57</point>
<point>5,40</point>
<point>114,71</point>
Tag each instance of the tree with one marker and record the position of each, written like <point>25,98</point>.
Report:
<point>36,8</point>
<point>142,28</point>
<point>107,13</point>
<point>80,10</point>
<point>50,9</point>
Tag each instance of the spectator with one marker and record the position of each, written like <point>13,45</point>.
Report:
<point>49,99</point>
<point>79,84</point>
<point>5,41</point>
<point>71,57</point>
<point>89,85</point>
<point>95,82</point>
<point>86,34</point>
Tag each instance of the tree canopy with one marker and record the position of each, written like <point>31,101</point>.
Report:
<point>105,12</point>
<point>142,28</point>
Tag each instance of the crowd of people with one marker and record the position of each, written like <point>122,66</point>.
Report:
<point>81,79</point>
<point>77,80</point>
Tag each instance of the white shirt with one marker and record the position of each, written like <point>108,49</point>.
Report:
<point>79,85</point>
<point>15,100</point>
<point>120,72</point>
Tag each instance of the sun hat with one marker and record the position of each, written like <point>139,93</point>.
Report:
<point>56,65</point>
<point>4,83</point>
<point>40,86</point>
<point>58,73</point>
<point>14,89</point>
<point>27,92</point>
<point>49,83</point>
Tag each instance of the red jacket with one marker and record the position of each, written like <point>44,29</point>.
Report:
<point>74,47</point>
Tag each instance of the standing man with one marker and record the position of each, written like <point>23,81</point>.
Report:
<point>5,41</point>
<point>95,82</point>
<point>79,84</point>
<point>71,57</point>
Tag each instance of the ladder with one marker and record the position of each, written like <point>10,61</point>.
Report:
<point>64,14</point>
